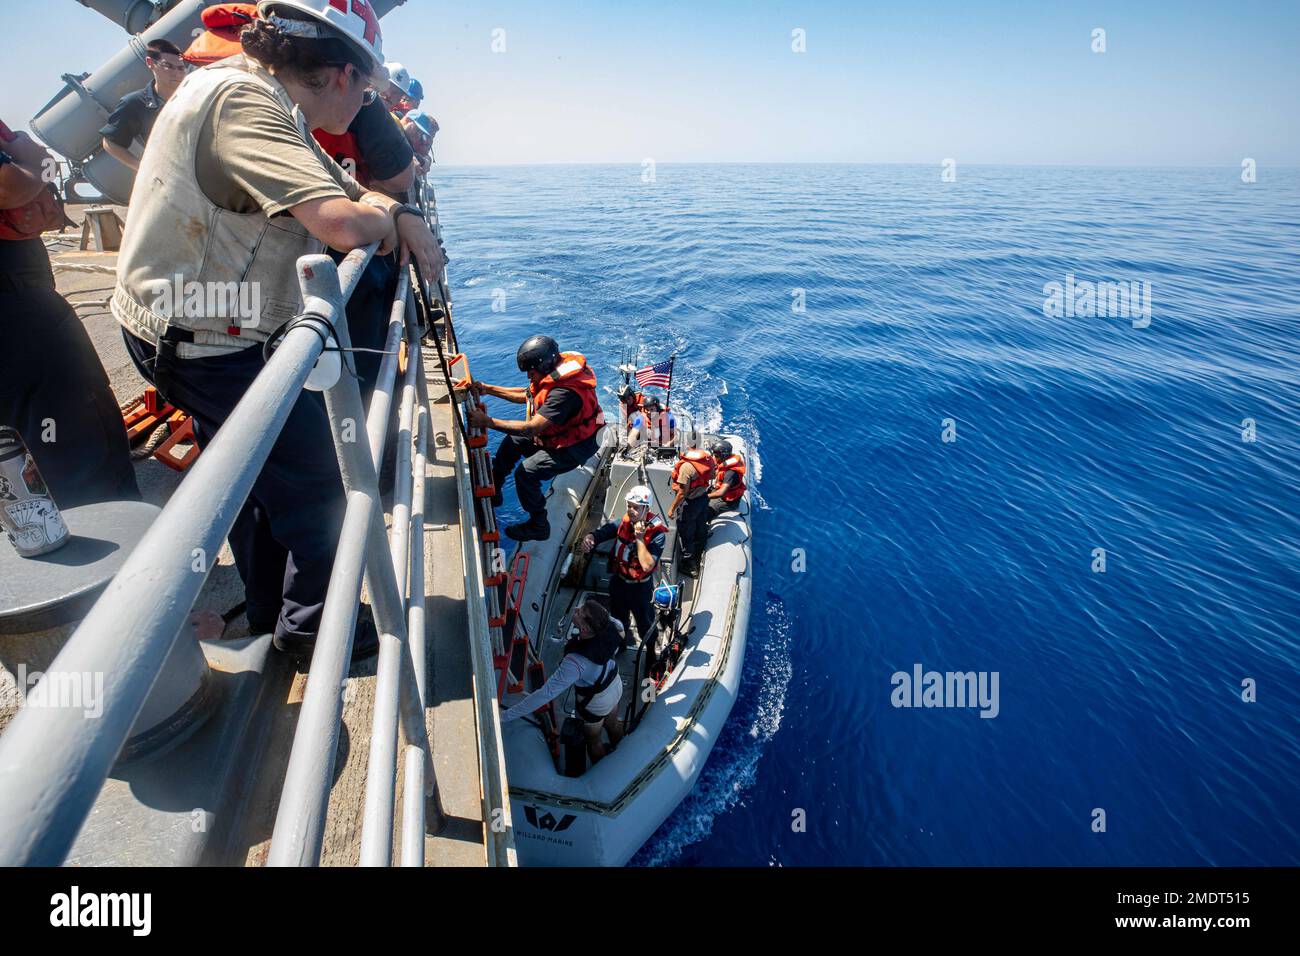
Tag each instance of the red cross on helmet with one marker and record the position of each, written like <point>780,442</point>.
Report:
<point>351,20</point>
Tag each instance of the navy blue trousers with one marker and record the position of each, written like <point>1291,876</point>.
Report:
<point>286,533</point>
<point>632,601</point>
<point>693,527</point>
<point>536,464</point>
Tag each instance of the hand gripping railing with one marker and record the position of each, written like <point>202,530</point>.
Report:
<point>53,761</point>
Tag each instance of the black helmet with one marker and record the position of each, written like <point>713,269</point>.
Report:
<point>626,392</point>
<point>538,354</point>
<point>652,401</point>
<point>720,449</point>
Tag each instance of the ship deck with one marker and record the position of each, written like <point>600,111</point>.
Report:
<point>86,280</point>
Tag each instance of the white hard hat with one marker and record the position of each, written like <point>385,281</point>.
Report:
<point>399,76</point>
<point>640,495</point>
<point>354,21</point>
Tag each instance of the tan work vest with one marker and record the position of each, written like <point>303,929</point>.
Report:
<point>174,229</point>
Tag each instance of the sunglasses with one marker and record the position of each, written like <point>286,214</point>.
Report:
<point>369,94</point>
<point>181,67</point>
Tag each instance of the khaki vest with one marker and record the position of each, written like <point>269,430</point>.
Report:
<point>174,229</point>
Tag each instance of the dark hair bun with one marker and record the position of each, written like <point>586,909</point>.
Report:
<point>303,56</point>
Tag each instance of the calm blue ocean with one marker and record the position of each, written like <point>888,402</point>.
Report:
<point>923,301</point>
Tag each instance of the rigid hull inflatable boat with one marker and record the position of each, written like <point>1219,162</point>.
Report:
<point>677,694</point>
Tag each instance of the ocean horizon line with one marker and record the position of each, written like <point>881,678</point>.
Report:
<point>659,163</point>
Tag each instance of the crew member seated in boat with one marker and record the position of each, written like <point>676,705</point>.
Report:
<point>559,434</point>
<point>630,399</point>
<point>237,190</point>
<point>654,423</point>
<point>692,477</point>
<point>639,543</point>
<point>590,667</point>
<point>729,482</point>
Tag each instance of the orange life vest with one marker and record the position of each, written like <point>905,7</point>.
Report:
<point>660,433</point>
<point>736,465</point>
<point>224,23</point>
<point>572,373</point>
<point>703,464</point>
<point>624,559</point>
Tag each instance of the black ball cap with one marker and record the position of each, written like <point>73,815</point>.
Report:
<point>538,354</point>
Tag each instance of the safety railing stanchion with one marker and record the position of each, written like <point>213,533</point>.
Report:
<point>417,789</point>
<point>299,825</point>
<point>381,775</point>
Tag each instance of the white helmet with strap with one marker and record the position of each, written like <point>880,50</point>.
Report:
<point>399,76</point>
<point>639,495</point>
<point>354,21</point>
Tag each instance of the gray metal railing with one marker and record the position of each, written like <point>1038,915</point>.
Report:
<point>53,761</point>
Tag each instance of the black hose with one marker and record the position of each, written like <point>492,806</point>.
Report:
<point>442,357</point>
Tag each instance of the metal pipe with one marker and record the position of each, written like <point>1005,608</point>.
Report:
<point>414,795</point>
<point>132,15</point>
<point>381,401</point>
<point>299,828</point>
<point>300,823</point>
<point>491,752</point>
<point>381,770</point>
<point>53,761</point>
<point>70,123</point>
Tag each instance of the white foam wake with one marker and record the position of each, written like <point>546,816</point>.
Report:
<point>733,764</point>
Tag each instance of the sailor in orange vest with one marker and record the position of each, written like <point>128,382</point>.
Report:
<point>654,422</point>
<point>729,482</point>
<point>559,434</point>
<point>630,399</point>
<point>639,540</point>
<point>692,478</point>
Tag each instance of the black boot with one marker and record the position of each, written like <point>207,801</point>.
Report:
<point>365,640</point>
<point>536,528</point>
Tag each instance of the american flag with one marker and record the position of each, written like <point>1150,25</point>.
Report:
<point>655,376</point>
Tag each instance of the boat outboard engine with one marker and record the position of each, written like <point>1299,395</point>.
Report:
<point>573,747</point>
<point>667,602</point>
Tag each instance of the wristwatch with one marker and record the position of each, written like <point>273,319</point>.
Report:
<point>403,209</point>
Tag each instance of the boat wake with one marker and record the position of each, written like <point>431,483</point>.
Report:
<point>732,767</point>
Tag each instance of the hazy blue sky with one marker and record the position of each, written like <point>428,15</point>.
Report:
<point>1181,83</point>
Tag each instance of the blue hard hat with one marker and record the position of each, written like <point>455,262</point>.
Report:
<point>416,91</point>
<point>424,121</point>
